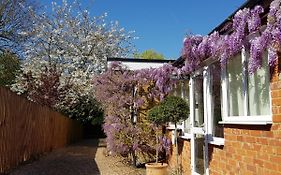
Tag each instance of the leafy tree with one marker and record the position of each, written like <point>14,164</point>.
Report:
<point>9,68</point>
<point>149,54</point>
<point>175,109</point>
<point>77,45</point>
<point>87,110</point>
<point>156,116</point>
<point>47,88</point>
<point>15,23</point>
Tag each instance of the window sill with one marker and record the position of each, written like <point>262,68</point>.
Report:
<point>186,137</point>
<point>245,122</point>
<point>172,128</point>
<point>217,141</point>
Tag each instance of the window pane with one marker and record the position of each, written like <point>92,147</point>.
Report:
<point>258,90</point>
<point>217,129</point>
<point>185,89</point>
<point>198,101</point>
<point>235,86</point>
<point>177,89</point>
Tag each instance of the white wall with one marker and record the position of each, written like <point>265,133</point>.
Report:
<point>139,65</point>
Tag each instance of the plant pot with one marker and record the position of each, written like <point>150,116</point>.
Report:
<point>156,168</point>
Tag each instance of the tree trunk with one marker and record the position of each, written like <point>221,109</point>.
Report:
<point>134,158</point>
<point>157,145</point>
<point>177,151</point>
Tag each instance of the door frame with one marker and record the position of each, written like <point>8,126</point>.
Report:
<point>200,130</point>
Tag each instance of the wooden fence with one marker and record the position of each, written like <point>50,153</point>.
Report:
<point>28,130</point>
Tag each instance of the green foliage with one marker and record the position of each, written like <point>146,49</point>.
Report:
<point>175,108</point>
<point>9,68</point>
<point>87,110</point>
<point>156,115</point>
<point>149,54</point>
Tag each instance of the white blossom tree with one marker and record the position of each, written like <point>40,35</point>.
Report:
<point>14,23</point>
<point>76,44</point>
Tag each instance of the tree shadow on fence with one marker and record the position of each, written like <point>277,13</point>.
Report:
<point>76,159</point>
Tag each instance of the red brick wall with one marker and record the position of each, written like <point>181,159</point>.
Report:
<point>184,155</point>
<point>248,149</point>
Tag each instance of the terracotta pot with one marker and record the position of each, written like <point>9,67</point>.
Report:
<point>156,169</point>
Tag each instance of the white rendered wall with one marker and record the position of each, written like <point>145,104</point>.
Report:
<point>139,65</point>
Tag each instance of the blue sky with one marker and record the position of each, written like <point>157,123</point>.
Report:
<point>162,24</point>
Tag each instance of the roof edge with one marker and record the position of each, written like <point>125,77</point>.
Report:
<point>139,60</point>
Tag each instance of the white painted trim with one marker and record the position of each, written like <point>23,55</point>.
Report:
<point>258,118</point>
<point>270,97</point>
<point>245,81</point>
<point>246,122</point>
<point>205,98</point>
<point>172,127</point>
<point>210,105</point>
<point>206,101</point>
<point>224,94</point>
<point>199,130</point>
<point>192,142</point>
<point>216,141</point>
<point>191,103</point>
<point>186,136</point>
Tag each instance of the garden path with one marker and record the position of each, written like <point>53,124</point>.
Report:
<point>84,158</point>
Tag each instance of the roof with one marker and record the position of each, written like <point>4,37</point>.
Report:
<point>140,60</point>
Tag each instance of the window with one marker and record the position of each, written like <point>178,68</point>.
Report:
<point>206,103</point>
<point>198,101</point>
<point>215,100</point>
<point>181,89</point>
<point>235,87</point>
<point>185,96</point>
<point>246,96</point>
<point>258,91</point>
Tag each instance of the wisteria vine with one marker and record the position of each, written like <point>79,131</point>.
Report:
<point>114,88</point>
<point>247,31</point>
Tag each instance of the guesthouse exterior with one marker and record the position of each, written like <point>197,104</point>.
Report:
<point>235,116</point>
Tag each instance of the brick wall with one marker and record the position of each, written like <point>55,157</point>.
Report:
<point>248,149</point>
<point>184,155</point>
<point>251,149</point>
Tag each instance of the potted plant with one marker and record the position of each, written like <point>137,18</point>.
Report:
<point>157,117</point>
<point>175,109</point>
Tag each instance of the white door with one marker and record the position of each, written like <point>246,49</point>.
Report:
<point>198,113</point>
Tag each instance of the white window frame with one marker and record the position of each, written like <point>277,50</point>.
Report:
<point>199,129</point>
<point>186,135</point>
<point>245,119</point>
<point>210,105</point>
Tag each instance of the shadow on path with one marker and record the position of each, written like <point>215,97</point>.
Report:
<point>76,159</point>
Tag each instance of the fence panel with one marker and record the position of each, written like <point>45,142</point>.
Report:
<point>28,130</point>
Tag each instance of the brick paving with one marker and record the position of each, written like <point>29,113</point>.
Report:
<point>84,158</point>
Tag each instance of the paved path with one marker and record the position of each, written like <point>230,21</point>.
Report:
<point>84,158</point>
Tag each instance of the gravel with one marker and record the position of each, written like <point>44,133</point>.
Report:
<point>84,158</point>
